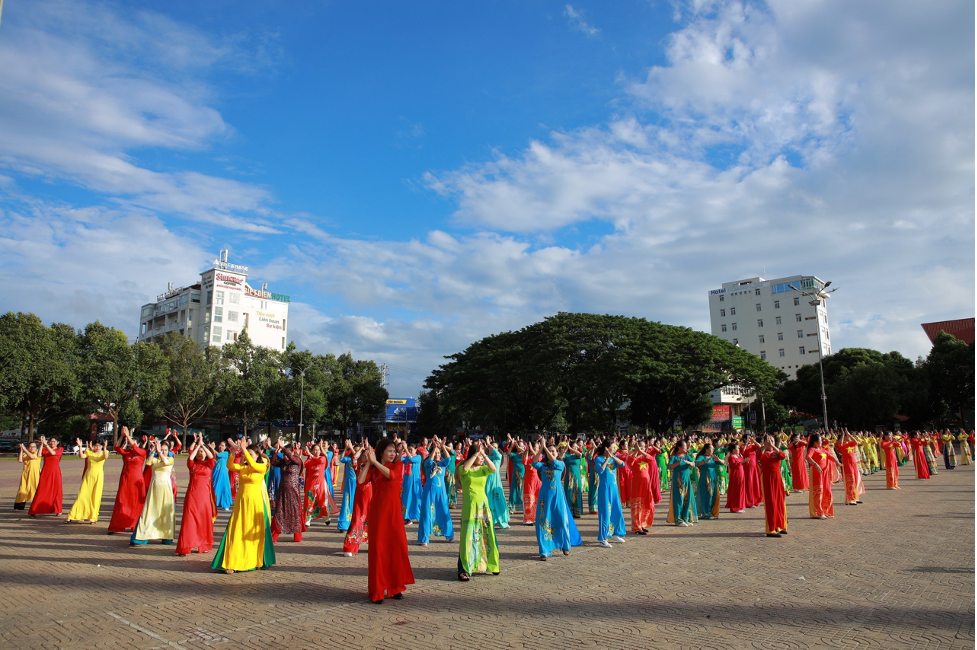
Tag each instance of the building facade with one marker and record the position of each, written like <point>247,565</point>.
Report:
<point>773,319</point>
<point>215,310</point>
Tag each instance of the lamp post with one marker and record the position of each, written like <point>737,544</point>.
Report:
<point>818,295</point>
<point>301,403</point>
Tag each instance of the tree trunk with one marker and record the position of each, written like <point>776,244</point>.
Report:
<point>115,430</point>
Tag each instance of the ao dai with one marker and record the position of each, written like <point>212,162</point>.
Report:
<point>435,516</point>
<point>478,551</point>
<point>555,527</point>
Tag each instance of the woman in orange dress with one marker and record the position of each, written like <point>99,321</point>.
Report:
<point>891,462</point>
<point>820,460</point>
<point>798,464</point>
<point>642,494</point>
<point>846,449</point>
<point>919,455</point>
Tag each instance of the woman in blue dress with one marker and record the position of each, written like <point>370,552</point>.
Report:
<point>349,486</point>
<point>681,508</point>
<point>435,516</point>
<point>493,487</point>
<point>516,448</point>
<point>220,478</point>
<point>610,514</point>
<point>411,491</point>
<point>707,495</point>
<point>572,482</point>
<point>273,477</point>
<point>555,527</point>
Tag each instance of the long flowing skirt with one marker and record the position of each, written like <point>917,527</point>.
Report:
<point>478,551</point>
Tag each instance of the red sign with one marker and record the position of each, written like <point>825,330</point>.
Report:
<point>722,413</point>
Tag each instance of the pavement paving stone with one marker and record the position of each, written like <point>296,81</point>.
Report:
<point>895,572</point>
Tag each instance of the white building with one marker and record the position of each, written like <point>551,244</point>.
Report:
<point>772,320</point>
<point>215,310</point>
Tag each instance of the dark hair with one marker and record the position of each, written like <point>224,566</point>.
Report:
<point>603,448</point>
<point>708,446</point>
<point>255,450</point>
<point>814,440</point>
<point>382,447</point>
<point>471,452</point>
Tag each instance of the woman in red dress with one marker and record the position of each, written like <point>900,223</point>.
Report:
<point>641,460</point>
<point>317,502</point>
<point>623,478</point>
<point>48,499</point>
<point>821,461</point>
<point>199,506</point>
<point>849,466</point>
<point>530,486</point>
<point>919,456</point>
<point>358,533</point>
<point>891,462</point>
<point>389,565</point>
<point>798,463</point>
<point>754,495</point>
<point>131,496</point>
<point>736,469</point>
<point>774,490</point>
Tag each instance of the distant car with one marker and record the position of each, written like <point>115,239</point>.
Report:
<point>8,446</point>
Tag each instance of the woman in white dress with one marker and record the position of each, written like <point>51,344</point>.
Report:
<point>158,518</point>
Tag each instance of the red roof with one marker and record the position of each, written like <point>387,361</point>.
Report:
<point>962,329</point>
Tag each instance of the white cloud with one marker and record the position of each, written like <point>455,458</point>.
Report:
<point>85,86</point>
<point>577,21</point>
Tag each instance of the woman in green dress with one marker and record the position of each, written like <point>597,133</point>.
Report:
<point>572,482</point>
<point>478,552</point>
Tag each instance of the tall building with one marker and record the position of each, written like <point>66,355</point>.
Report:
<point>216,309</point>
<point>773,319</point>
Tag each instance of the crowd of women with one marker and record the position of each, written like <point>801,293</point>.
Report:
<point>274,489</point>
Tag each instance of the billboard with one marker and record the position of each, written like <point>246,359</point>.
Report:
<point>401,410</point>
<point>722,413</point>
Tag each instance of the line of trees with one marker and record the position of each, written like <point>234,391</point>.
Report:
<point>52,378</point>
<point>866,388</point>
<point>587,372</point>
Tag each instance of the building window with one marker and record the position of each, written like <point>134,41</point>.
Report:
<point>800,334</point>
<point>736,341</point>
<point>206,317</point>
<point>210,297</point>
<point>758,293</point>
<point>206,335</point>
<point>722,313</point>
<point>218,314</point>
<point>758,306</point>
<point>776,304</point>
<point>723,326</point>
<point>801,349</point>
<point>797,302</point>
<point>779,322</point>
<point>234,297</point>
<point>734,327</point>
<point>235,336</point>
<point>721,298</point>
<point>761,338</point>
<point>144,328</point>
<point>732,311</point>
<point>781,351</point>
<point>798,318</point>
<point>763,354</point>
<point>216,334</point>
<point>232,317</point>
<point>219,298</point>
<point>780,336</point>
<point>759,322</point>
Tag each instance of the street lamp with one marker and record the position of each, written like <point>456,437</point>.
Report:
<point>301,403</point>
<point>818,295</point>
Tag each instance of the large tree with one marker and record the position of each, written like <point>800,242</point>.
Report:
<point>300,393</point>
<point>950,370</point>
<point>192,380</point>
<point>39,374</point>
<point>119,378</point>
<point>246,384</point>
<point>356,392</point>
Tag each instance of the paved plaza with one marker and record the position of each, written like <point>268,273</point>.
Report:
<point>896,572</point>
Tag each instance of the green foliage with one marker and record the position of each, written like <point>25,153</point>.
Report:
<point>867,388</point>
<point>247,382</point>
<point>301,391</point>
<point>191,381</point>
<point>356,391</point>
<point>585,372</point>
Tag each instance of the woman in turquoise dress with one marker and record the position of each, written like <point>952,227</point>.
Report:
<point>493,487</point>
<point>610,514</point>
<point>708,483</point>
<point>681,508</point>
<point>555,528</point>
<point>450,484</point>
<point>571,480</point>
<point>221,479</point>
<point>435,516</point>
<point>478,551</point>
<point>411,489</point>
<point>516,450</point>
<point>591,480</point>
<point>349,487</point>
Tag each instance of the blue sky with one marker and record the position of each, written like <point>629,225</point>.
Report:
<point>419,175</point>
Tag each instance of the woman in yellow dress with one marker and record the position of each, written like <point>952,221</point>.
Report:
<point>89,499</point>
<point>247,543</point>
<point>29,476</point>
<point>158,518</point>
